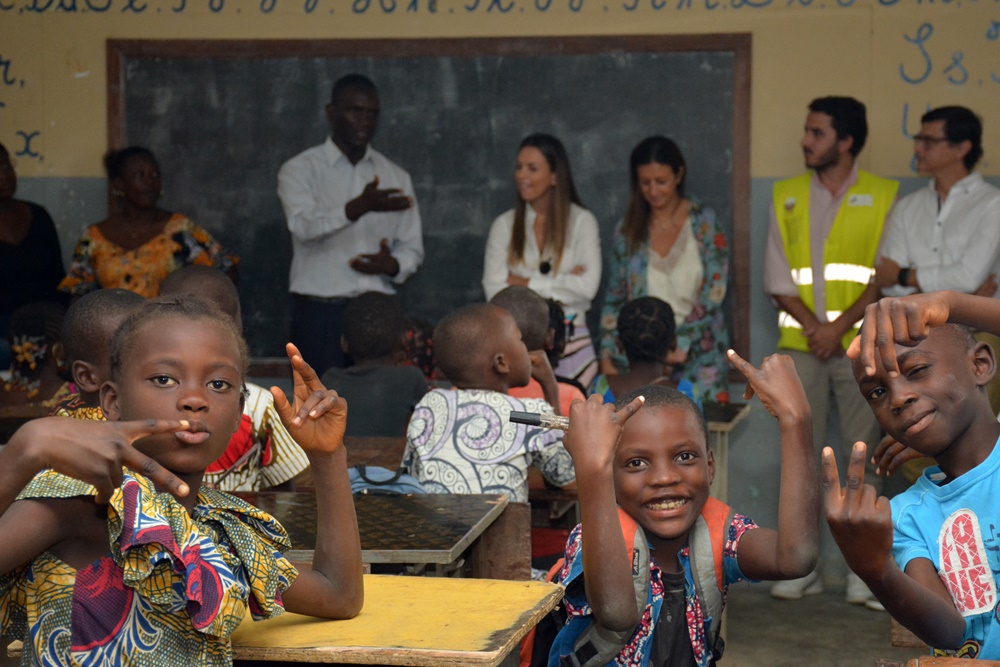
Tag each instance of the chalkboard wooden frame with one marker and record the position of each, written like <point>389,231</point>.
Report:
<point>739,44</point>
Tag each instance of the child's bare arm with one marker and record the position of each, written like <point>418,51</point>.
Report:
<point>334,586</point>
<point>591,439</point>
<point>792,550</point>
<point>907,320</point>
<point>861,523</point>
<point>541,370</point>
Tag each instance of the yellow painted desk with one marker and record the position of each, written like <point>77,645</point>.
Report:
<point>408,621</point>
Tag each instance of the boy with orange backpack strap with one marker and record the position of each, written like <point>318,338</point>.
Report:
<point>648,585</point>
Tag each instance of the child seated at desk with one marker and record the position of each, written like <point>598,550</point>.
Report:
<point>531,313</point>
<point>380,391</point>
<point>162,569</point>
<point>261,454</point>
<point>461,440</point>
<point>87,329</point>
<point>649,465</point>
<point>931,554</point>
<point>647,334</point>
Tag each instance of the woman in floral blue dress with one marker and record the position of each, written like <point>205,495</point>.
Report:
<point>672,247</point>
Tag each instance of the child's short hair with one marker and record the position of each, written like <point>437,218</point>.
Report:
<point>530,311</point>
<point>374,325</point>
<point>208,282</point>
<point>460,337</point>
<point>34,330</point>
<point>83,326</point>
<point>658,396</point>
<point>646,329</point>
<point>189,307</point>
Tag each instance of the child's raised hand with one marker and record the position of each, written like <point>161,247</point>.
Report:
<point>94,452</point>
<point>860,519</point>
<point>541,368</point>
<point>594,429</point>
<point>890,455</point>
<point>905,320</point>
<point>319,415</point>
<point>776,384</point>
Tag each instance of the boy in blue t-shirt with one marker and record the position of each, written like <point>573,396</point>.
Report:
<point>931,555</point>
<point>651,460</point>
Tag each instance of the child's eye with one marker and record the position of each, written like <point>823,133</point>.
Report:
<point>876,393</point>
<point>634,464</point>
<point>219,385</point>
<point>163,380</point>
<point>916,371</point>
<point>687,457</point>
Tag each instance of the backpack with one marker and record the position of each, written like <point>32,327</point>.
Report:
<point>597,646</point>
<point>377,480</point>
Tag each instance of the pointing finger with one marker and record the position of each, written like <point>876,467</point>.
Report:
<point>623,413</point>
<point>831,479</point>
<point>147,467</point>
<point>856,472</point>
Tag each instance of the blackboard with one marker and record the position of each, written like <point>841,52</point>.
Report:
<point>222,116</point>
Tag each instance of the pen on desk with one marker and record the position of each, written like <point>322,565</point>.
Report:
<point>540,419</point>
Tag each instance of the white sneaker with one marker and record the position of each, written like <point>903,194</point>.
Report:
<point>794,589</point>
<point>859,593</point>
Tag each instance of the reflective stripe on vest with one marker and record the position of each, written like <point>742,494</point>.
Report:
<point>848,252</point>
<point>786,321</point>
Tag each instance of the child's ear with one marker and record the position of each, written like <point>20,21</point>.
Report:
<point>109,401</point>
<point>550,339</point>
<point>344,347</point>
<point>85,376</point>
<point>711,465</point>
<point>500,364</point>
<point>985,363</point>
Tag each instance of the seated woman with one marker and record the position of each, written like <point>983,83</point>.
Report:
<point>647,335</point>
<point>38,370</point>
<point>549,243</point>
<point>30,259</point>
<point>671,247</point>
<point>139,244</point>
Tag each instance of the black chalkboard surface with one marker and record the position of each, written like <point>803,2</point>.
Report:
<point>222,117</point>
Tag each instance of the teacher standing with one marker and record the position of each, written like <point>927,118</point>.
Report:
<point>549,243</point>
<point>672,247</point>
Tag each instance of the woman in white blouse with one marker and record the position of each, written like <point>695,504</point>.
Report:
<point>549,243</point>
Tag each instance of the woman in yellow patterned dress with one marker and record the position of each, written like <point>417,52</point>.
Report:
<point>139,243</point>
<point>162,569</point>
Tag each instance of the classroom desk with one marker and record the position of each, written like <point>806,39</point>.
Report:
<point>408,621</point>
<point>432,530</point>
<point>722,419</point>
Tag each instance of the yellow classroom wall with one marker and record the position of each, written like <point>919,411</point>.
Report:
<point>898,56</point>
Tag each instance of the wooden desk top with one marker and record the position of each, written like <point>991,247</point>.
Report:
<point>409,621</point>
<point>430,528</point>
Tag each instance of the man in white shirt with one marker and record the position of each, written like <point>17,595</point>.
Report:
<point>354,222</point>
<point>945,236</point>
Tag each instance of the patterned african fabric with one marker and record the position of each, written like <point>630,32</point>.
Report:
<point>462,441</point>
<point>261,454</point>
<point>703,333</point>
<point>77,407</point>
<point>169,592</point>
<point>97,262</point>
<point>638,649</point>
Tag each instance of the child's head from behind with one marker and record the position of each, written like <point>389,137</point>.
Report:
<point>529,310</point>
<point>374,326</point>
<point>561,331</point>
<point>207,282</point>
<point>479,347</point>
<point>35,345</point>
<point>939,393</point>
<point>646,329</point>
<point>662,465</point>
<point>87,330</point>
<point>178,359</point>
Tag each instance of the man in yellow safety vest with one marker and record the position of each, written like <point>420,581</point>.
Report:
<point>826,226</point>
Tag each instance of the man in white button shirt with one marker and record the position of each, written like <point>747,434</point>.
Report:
<point>946,236</point>
<point>826,226</point>
<point>354,222</point>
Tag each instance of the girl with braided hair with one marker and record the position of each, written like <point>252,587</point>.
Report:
<point>647,335</point>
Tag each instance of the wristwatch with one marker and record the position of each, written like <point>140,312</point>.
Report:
<point>904,276</point>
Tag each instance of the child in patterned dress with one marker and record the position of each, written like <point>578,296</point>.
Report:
<point>162,569</point>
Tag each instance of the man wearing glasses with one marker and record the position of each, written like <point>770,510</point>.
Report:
<point>945,236</point>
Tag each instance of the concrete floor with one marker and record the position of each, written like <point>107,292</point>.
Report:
<point>818,630</point>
